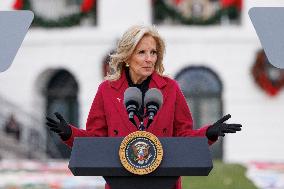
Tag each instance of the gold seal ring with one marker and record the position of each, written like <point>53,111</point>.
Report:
<point>140,152</point>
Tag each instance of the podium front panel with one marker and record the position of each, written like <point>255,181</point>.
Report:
<point>98,156</point>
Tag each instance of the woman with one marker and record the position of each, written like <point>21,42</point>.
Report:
<point>138,62</point>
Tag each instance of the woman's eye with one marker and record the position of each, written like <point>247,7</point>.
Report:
<point>141,52</point>
<point>153,52</point>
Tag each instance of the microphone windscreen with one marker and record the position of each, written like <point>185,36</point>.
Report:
<point>133,94</point>
<point>154,95</point>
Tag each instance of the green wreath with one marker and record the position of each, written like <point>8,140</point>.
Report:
<point>88,8</point>
<point>261,77</point>
<point>162,11</point>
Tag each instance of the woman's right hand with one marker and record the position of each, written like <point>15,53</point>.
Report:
<point>60,127</point>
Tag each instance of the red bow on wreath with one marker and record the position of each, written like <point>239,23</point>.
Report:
<point>231,3</point>
<point>18,5</point>
<point>86,5</point>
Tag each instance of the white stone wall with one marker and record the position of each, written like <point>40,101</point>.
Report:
<point>231,57</point>
<point>227,50</point>
<point>6,5</point>
<point>124,12</point>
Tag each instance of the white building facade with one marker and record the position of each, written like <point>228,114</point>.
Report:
<point>227,50</point>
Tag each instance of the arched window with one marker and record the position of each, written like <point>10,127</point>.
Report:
<point>105,63</point>
<point>203,92</point>
<point>61,96</point>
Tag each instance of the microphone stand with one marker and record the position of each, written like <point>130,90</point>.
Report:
<point>141,126</point>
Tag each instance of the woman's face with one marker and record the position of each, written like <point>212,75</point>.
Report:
<point>143,59</point>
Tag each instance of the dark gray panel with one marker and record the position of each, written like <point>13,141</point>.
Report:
<point>183,156</point>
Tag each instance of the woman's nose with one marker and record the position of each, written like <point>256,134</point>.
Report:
<point>148,57</point>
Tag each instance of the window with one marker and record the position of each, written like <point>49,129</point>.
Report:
<point>61,96</point>
<point>203,92</point>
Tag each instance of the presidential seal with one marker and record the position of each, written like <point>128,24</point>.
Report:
<point>140,152</point>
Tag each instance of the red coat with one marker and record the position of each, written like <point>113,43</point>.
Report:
<point>108,115</point>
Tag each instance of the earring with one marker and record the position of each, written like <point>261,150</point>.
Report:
<point>126,64</point>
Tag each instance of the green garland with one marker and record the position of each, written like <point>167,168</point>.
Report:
<point>67,21</point>
<point>163,11</point>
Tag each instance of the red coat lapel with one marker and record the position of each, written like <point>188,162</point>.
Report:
<point>160,83</point>
<point>117,97</point>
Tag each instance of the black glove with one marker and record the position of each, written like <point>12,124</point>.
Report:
<point>220,128</point>
<point>61,128</point>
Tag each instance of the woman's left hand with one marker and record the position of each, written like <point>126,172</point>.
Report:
<point>220,128</point>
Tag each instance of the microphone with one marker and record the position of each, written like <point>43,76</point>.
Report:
<point>132,102</point>
<point>153,100</point>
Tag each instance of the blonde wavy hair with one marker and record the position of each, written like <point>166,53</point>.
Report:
<point>127,45</point>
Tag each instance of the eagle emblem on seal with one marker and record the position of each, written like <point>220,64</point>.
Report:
<point>141,152</point>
